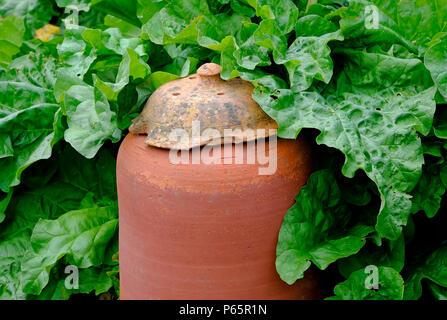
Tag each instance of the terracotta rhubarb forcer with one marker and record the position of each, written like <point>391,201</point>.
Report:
<point>205,231</point>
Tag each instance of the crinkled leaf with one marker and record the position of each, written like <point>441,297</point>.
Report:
<point>112,41</point>
<point>4,202</point>
<point>12,30</point>
<point>249,55</point>
<point>82,235</point>
<point>409,23</point>
<point>390,286</point>
<point>389,253</point>
<point>308,58</point>
<point>28,115</point>
<point>375,130</point>
<point>127,29</point>
<point>428,192</point>
<point>418,21</point>
<point>176,22</point>
<point>146,9</point>
<point>439,292</point>
<point>91,280</point>
<point>443,174</point>
<point>314,25</point>
<point>35,13</point>
<point>269,36</point>
<point>12,249</point>
<point>125,10</point>
<point>132,67</point>
<point>440,125</point>
<point>78,184</point>
<point>314,229</point>
<point>284,12</point>
<point>434,268</point>
<point>89,117</point>
<point>436,61</point>
<point>212,29</point>
<point>367,129</point>
<point>76,55</point>
<point>182,66</point>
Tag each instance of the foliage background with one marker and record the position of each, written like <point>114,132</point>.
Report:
<point>372,100</point>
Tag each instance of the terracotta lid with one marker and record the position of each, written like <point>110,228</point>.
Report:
<point>178,113</point>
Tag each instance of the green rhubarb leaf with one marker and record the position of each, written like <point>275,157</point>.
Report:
<point>358,286</point>
<point>89,117</point>
<point>28,115</point>
<point>127,29</point>
<point>183,59</point>
<point>375,130</point>
<point>111,41</point>
<point>132,67</point>
<point>248,55</point>
<point>440,125</point>
<point>436,61</point>
<point>76,55</point>
<point>78,184</point>
<point>434,148</point>
<point>34,13</point>
<point>439,292</point>
<point>314,229</point>
<point>434,269</point>
<point>412,24</point>
<point>367,129</point>
<point>90,280</point>
<point>124,94</point>
<point>12,30</point>
<point>125,10</point>
<point>12,249</point>
<point>147,9</point>
<point>4,202</point>
<point>182,66</point>
<point>428,192</point>
<point>308,58</point>
<point>418,21</point>
<point>366,24</point>
<point>314,25</point>
<point>212,29</point>
<point>81,235</point>
<point>443,174</point>
<point>389,253</point>
<point>269,36</point>
<point>176,22</point>
<point>284,12</point>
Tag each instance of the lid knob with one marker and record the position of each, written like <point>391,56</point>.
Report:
<point>209,70</point>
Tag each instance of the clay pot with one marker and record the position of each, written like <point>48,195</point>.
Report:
<point>205,231</point>
<point>196,231</point>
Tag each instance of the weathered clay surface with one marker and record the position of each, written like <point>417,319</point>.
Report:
<point>205,231</point>
<point>205,97</point>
